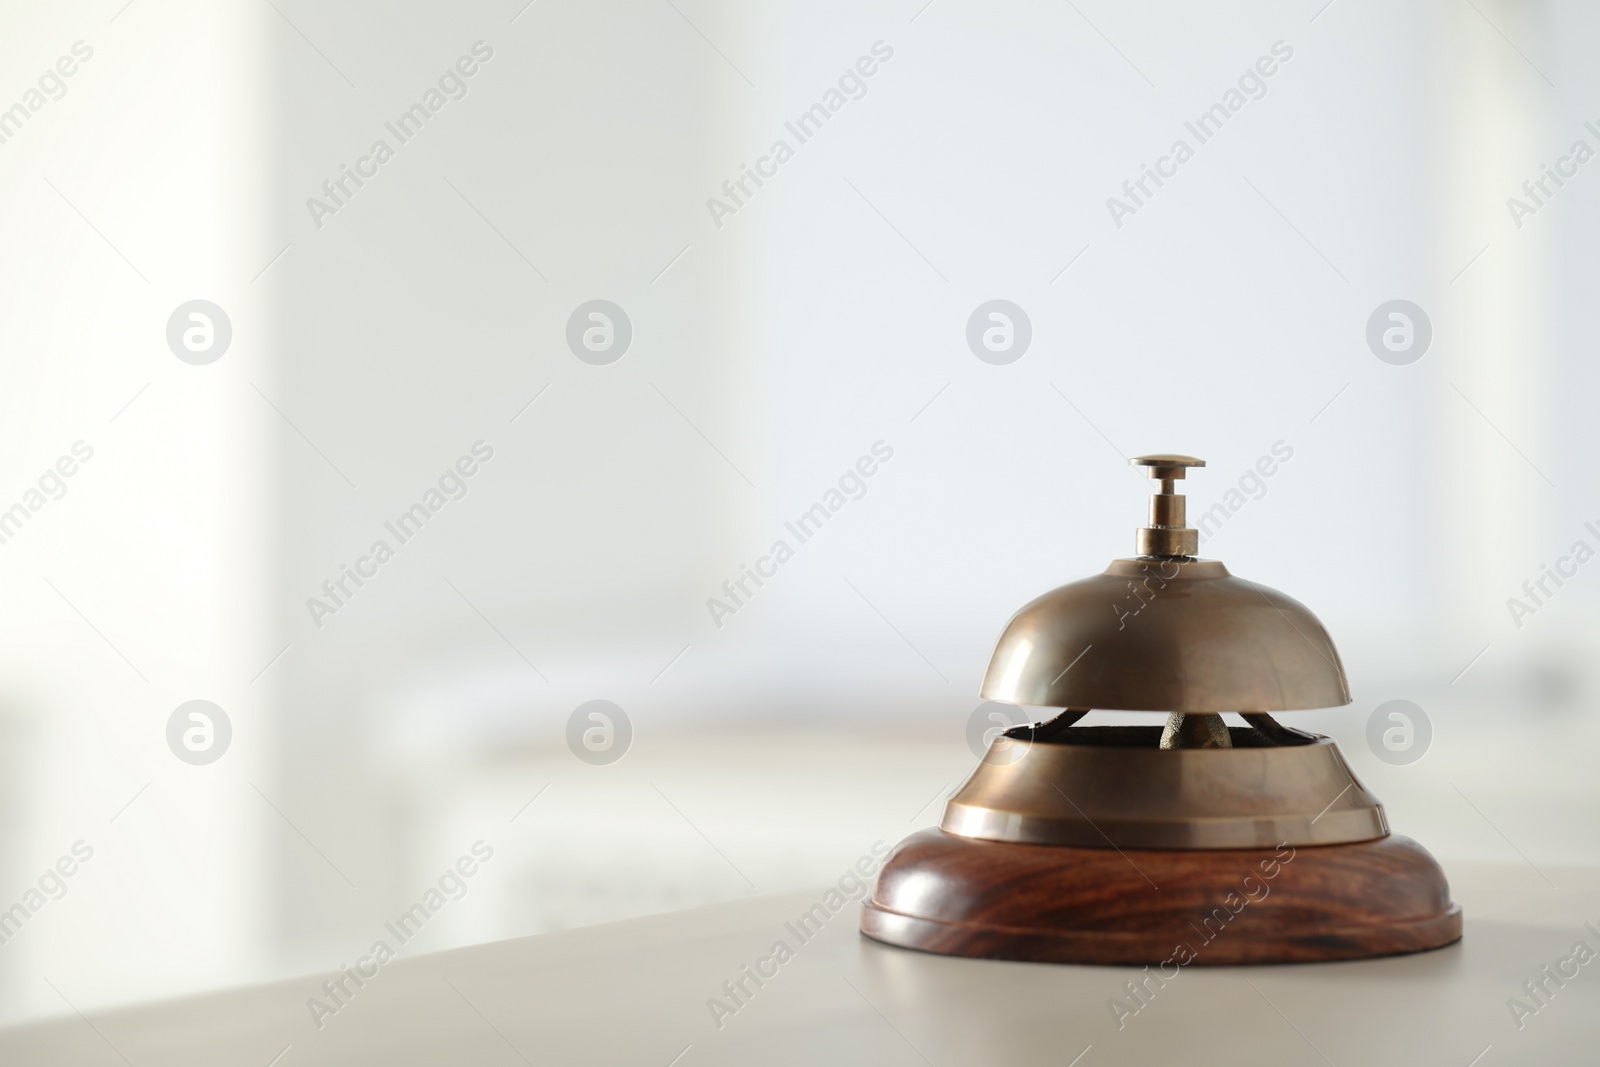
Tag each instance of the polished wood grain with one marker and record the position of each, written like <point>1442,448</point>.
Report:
<point>965,897</point>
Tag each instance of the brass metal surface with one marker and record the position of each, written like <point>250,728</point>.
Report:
<point>1166,541</point>
<point>1168,533</point>
<point>1105,786</point>
<point>1166,632</point>
<point>1166,635</point>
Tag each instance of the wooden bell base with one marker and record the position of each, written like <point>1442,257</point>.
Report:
<point>964,896</point>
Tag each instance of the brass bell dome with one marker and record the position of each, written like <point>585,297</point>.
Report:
<point>1166,632</point>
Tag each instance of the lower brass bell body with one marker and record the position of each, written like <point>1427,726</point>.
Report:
<point>1120,783</point>
<point>1192,842</point>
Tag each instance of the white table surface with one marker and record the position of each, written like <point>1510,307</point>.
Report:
<point>635,993</point>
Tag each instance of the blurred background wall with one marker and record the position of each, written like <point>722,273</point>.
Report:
<point>382,331</point>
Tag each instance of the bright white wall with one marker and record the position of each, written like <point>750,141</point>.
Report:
<point>145,585</point>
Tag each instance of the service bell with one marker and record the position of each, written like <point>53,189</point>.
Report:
<point>1191,841</point>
